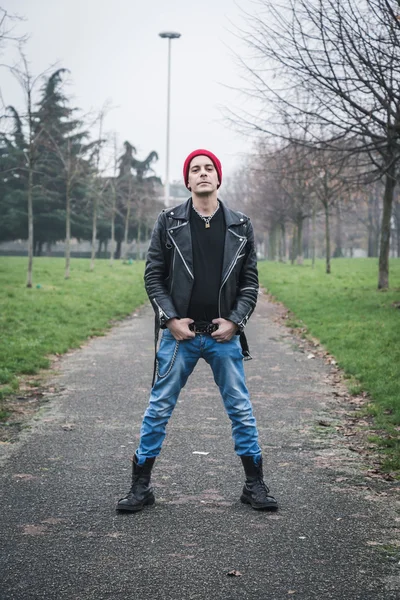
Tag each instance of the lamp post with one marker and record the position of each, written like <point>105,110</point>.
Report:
<point>170,35</point>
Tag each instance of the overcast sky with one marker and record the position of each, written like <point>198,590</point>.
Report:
<point>114,53</point>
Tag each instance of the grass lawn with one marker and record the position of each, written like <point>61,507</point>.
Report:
<point>58,314</point>
<point>356,323</point>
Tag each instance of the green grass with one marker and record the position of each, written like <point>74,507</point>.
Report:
<point>356,323</point>
<point>57,314</point>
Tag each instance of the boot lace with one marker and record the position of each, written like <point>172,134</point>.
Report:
<point>258,488</point>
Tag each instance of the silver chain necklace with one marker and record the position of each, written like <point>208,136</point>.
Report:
<point>206,219</point>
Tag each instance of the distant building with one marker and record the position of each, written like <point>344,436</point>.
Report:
<point>178,193</point>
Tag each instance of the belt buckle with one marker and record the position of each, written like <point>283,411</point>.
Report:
<point>209,328</point>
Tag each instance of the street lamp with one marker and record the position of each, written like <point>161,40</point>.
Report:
<point>170,35</point>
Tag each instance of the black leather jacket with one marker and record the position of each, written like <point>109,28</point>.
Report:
<point>169,268</point>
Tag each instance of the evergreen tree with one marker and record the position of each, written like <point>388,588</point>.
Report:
<point>13,181</point>
<point>61,148</point>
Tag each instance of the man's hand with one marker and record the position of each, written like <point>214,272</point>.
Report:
<point>226,330</point>
<point>180,329</point>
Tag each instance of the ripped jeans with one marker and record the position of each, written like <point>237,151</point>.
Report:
<point>176,362</point>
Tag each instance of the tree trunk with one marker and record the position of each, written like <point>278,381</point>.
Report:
<point>67,232</point>
<point>281,246</point>
<point>119,249</point>
<point>327,239</point>
<point>124,254</point>
<point>30,227</point>
<point>96,197</point>
<point>306,238</point>
<point>138,257</point>
<point>390,183</point>
<point>396,214</point>
<point>272,244</point>
<point>94,230</point>
<point>277,242</point>
<point>112,249</point>
<point>314,233</point>
<point>265,244</point>
<point>372,241</point>
<point>294,245</point>
<point>283,238</point>
<point>299,242</point>
<point>398,231</point>
<point>339,244</point>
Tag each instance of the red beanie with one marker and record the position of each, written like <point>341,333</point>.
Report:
<point>201,152</point>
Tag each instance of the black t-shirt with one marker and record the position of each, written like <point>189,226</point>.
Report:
<point>208,255</point>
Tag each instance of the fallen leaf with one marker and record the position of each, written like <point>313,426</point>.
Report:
<point>24,476</point>
<point>68,427</point>
<point>311,355</point>
<point>33,529</point>
<point>234,573</point>
<point>374,543</point>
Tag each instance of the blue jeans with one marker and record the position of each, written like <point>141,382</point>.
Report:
<point>176,362</point>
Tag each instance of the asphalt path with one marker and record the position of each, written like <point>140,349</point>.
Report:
<point>335,535</point>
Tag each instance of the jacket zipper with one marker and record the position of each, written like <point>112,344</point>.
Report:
<point>180,254</point>
<point>243,322</point>
<point>161,313</point>
<point>173,270</point>
<point>233,263</point>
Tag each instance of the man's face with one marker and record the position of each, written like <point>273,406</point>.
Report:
<point>203,176</point>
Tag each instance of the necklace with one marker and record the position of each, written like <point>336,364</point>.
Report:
<point>206,219</point>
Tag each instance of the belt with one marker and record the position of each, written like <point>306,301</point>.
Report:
<point>203,327</point>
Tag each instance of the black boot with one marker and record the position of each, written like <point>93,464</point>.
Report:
<point>140,494</point>
<point>255,491</point>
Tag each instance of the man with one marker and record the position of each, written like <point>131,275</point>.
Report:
<point>201,278</point>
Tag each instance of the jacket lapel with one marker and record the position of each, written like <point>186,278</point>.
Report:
<point>179,233</point>
<point>233,240</point>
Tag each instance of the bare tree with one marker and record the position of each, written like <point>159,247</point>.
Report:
<point>331,184</point>
<point>113,202</point>
<point>396,217</point>
<point>97,192</point>
<point>345,56</point>
<point>28,84</point>
<point>268,201</point>
<point>72,153</point>
<point>8,34</point>
<point>296,178</point>
<point>368,212</point>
